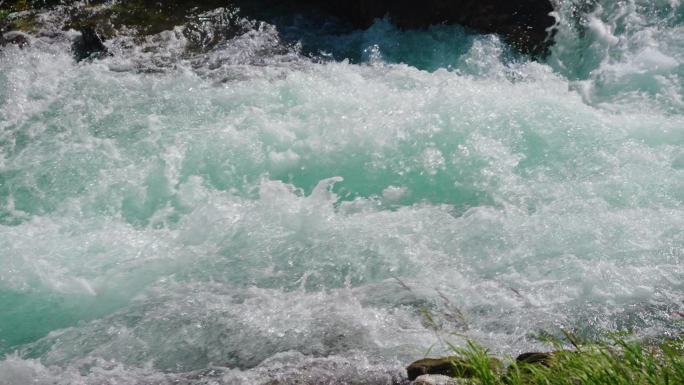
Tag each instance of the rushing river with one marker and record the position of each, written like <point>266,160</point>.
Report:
<point>302,201</point>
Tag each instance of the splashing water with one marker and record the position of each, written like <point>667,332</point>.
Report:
<point>295,200</point>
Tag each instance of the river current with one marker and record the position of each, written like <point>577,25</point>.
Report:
<point>300,201</point>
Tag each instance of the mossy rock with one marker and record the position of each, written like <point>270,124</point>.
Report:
<point>148,17</point>
<point>21,15</point>
<point>151,16</point>
<point>18,21</point>
<point>448,366</point>
<point>26,5</point>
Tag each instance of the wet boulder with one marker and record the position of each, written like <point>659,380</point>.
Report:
<point>446,366</point>
<point>89,45</point>
<point>17,38</point>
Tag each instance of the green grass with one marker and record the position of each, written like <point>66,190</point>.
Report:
<point>615,361</point>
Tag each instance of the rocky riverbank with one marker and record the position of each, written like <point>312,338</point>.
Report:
<point>613,361</point>
<point>526,25</point>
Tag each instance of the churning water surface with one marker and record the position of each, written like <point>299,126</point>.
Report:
<point>297,201</point>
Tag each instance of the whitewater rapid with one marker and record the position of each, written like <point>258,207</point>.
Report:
<point>296,205</point>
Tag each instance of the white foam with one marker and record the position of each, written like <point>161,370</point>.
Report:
<point>302,216</point>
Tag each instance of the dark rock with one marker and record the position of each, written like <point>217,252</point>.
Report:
<point>524,23</point>
<point>535,358</point>
<point>22,5</point>
<point>525,362</point>
<point>89,45</point>
<point>446,366</point>
<point>15,37</point>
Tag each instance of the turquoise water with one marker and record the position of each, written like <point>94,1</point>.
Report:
<point>295,200</point>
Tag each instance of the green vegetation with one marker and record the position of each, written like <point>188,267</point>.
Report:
<point>615,361</point>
